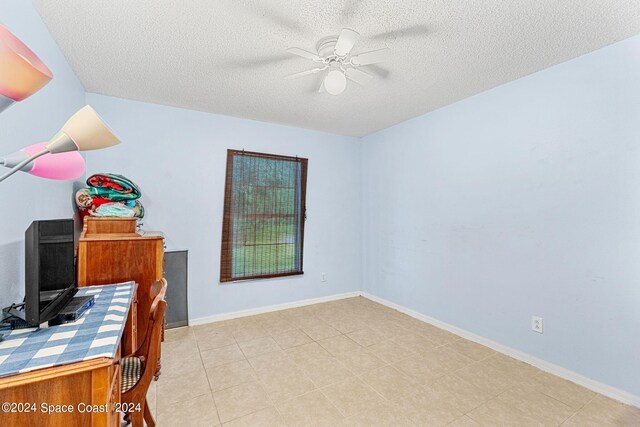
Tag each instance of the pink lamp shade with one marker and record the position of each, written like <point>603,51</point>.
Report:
<point>22,73</point>
<point>60,166</point>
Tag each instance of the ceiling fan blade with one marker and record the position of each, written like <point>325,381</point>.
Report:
<point>304,53</point>
<point>304,73</point>
<point>372,57</point>
<point>349,8</point>
<point>260,61</point>
<point>358,76</point>
<point>378,70</point>
<point>346,40</point>
<point>276,17</point>
<point>413,31</point>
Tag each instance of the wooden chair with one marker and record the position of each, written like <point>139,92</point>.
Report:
<point>138,369</point>
<point>154,290</point>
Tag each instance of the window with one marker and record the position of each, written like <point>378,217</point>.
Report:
<point>264,213</point>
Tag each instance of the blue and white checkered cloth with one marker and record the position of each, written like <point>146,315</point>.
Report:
<point>96,334</point>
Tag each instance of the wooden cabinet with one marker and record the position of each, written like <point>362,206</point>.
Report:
<point>111,250</point>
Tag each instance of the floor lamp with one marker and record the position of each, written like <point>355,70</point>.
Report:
<point>22,74</point>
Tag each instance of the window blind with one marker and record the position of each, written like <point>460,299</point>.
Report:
<point>264,214</point>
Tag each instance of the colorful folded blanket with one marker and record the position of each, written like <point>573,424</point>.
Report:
<point>113,187</point>
<point>109,195</point>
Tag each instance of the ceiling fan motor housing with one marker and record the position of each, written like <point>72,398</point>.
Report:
<point>326,46</point>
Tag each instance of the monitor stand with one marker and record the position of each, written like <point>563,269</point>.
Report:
<point>15,317</point>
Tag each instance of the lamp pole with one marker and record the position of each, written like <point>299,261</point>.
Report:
<point>23,163</point>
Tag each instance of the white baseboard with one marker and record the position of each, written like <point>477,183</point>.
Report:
<point>270,308</point>
<point>598,387</point>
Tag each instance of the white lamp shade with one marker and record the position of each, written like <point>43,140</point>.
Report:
<point>88,131</point>
<point>84,131</point>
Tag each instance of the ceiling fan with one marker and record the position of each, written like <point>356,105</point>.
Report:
<point>334,54</point>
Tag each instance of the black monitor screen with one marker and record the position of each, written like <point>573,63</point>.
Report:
<point>49,268</point>
<point>56,265</point>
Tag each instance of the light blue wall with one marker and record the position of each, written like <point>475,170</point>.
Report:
<point>178,158</point>
<point>520,201</point>
<point>23,197</point>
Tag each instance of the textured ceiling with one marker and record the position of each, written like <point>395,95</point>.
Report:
<point>228,56</point>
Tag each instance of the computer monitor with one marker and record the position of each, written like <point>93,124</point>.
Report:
<point>49,269</point>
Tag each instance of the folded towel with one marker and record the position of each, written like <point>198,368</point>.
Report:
<point>123,209</point>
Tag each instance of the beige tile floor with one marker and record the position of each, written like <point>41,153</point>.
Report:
<point>354,362</point>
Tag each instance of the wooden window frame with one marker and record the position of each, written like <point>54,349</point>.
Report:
<point>226,254</point>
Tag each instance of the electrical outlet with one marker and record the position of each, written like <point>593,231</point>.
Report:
<point>536,324</point>
<point>324,277</point>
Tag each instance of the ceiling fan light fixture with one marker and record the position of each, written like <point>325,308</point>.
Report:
<point>335,83</point>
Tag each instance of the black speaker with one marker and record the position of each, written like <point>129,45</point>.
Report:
<point>49,262</point>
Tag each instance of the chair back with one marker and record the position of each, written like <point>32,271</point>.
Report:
<point>152,342</point>
<point>158,287</point>
<point>157,292</point>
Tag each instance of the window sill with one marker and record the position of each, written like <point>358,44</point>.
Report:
<point>260,278</point>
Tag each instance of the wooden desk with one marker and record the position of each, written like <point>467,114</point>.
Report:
<point>78,386</point>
